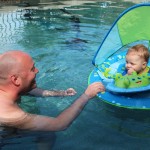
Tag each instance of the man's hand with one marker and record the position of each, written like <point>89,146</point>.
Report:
<point>70,92</point>
<point>94,88</point>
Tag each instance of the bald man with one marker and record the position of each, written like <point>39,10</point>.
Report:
<point>17,77</point>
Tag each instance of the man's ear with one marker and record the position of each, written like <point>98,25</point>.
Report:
<point>15,80</point>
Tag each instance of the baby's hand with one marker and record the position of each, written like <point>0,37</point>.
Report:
<point>70,92</point>
<point>130,71</point>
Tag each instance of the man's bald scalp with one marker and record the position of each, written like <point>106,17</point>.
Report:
<point>10,63</point>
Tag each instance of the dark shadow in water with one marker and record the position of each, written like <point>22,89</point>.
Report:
<point>76,27</point>
<point>126,113</point>
<point>132,122</point>
<point>11,138</point>
<point>28,14</point>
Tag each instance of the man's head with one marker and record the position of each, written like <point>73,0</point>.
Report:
<point>17,71</point>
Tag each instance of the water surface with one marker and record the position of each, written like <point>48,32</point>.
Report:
<point>63,38</point>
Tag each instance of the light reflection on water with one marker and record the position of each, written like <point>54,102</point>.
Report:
<point>63,42</point>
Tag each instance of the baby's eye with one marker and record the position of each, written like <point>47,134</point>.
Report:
<point>132,64</point>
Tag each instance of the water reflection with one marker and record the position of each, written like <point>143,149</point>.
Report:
<point>131,122</point>
<point>18,139</point>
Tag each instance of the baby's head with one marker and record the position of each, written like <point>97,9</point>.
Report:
<point>137,58</point>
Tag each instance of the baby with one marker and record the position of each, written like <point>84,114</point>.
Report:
<point>136,61</point>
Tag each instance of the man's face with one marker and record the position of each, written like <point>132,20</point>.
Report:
<point>28,74</point>
<point>134,63</point>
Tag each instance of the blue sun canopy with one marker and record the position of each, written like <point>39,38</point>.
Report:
<point>131,26</point>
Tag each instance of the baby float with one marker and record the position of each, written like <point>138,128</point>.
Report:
<point>131,27</point>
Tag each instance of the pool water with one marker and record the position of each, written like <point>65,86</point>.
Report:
<point>63,38</point>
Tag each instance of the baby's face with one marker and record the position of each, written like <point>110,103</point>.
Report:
<point>134,63</point>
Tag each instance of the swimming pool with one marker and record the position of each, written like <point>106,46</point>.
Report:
<point>63,38</point>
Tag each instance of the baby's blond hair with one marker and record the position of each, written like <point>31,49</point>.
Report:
<point>140,50</point>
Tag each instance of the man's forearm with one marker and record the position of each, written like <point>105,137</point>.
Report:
<point>45,93</point>
<point>68,115</point>
<point>54,93</point>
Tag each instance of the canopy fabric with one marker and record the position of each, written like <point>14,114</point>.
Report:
<point>131,26</point>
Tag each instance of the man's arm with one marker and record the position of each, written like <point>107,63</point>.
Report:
<point>62,121</point>
<point>45,93</point>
